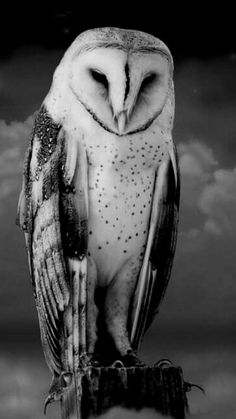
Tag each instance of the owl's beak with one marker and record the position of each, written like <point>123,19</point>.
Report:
<point>121,121</point>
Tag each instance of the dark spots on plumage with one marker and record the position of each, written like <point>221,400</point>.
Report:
<point>107,221</point>
<point>141,211</point>
<point>132,213</point>
<point>99,247</point>
<point>136,234</point>
<point>124,251</point>
<point>118,238</point>
<point>107,242</point>
<point>89,254</point>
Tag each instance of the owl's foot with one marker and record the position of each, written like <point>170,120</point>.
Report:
<point>60,384</point>
<point>130,359</point>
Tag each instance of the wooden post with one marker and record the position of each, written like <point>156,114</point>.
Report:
<point>159,388</point>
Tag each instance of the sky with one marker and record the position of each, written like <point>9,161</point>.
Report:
<point>196,325</point>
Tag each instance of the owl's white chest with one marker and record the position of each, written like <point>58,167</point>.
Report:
<point>121,179</point>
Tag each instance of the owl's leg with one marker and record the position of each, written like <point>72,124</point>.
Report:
<point>117,304</point>
<point>92,310</point>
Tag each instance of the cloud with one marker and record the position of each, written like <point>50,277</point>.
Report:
<point>205,105</point>
<point>219,401</point>
<point>25,79</point>
<point>21,396</point>
<point>207,189</point>
<point>15,130</point>
<point>218,202</point>
<point>12,138</point>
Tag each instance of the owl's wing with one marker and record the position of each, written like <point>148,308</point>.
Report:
<point>160,249</point>
<point>53,216</point>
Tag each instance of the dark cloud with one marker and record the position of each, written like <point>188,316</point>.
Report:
<point>190,31</point>
<point>205,105</point>
<point>24,81</point>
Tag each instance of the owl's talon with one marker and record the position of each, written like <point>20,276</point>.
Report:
<point>118,364</point>
<point>188,387</point>
<point>163,363</point>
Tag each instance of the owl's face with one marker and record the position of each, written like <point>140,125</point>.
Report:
<point>123,90</point>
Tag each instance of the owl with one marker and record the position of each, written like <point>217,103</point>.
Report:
<point>99,200</point>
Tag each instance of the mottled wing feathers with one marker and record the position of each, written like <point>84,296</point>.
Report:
<point>47,202</point>
<point>157,263</point>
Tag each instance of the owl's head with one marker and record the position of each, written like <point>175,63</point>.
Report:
<point>123,78</point>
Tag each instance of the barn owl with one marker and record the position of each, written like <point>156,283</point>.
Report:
<point>100,195</point>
